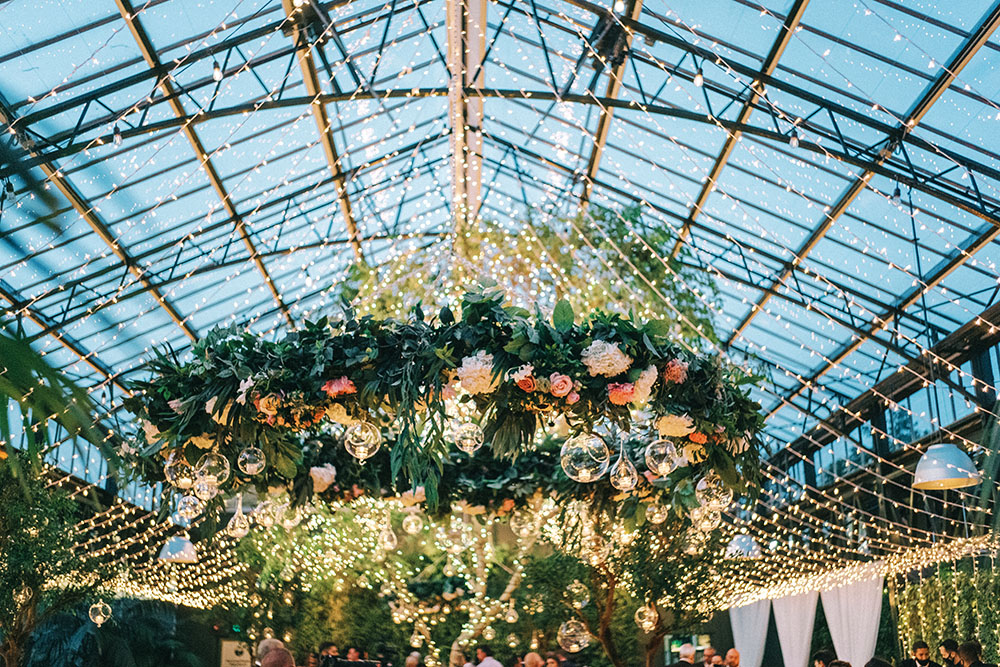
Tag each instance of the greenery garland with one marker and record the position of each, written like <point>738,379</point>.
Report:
<point>505,368</point>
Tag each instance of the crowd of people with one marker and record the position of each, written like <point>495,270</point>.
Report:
<point>272,653</point>
<point>952,654</point>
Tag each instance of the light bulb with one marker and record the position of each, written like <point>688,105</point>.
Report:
<point>118,136</point>
<point>793,139</point>
<point>699,78</point>
<point>897,196</point>
<point>216,71</point>
<point>619,6</point>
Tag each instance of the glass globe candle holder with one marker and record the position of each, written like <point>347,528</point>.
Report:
<point>584,458</point>
<point>468,437</point>
<point>100,613</point>
<point>251,461</point>
<point>178,472</point>
<point>213,467</point>
<point>362,440</point>
<point>573,636</point>
<point>661,457</point>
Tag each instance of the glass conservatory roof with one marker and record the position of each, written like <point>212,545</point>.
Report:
<point>176,165</point>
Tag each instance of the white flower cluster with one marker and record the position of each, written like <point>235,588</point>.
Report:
<point>522,372</point>
<point>476,373</point>
<point>675,426</point>
<point>644,385</point>
<point>603,358</point>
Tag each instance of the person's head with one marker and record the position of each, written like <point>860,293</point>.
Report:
<point>840,663</point>
<point>823,658</point>
<point>686,652</point>
<point>551,661</point>
<point>877,662</point>
<point>328,648</point>
<point>708,654</point>
<point>267,645</point>
<point>732,658</point>
<point>716,659</point>
<point>968,653</point>
<point>482,652</point>
<point>353,654</point>
<point>278,657</point>
<point>533,660</point>
<point>921,651</point>
<point>412,660</point>
<point>948,648</point>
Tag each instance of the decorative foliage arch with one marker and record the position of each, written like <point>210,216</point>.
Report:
<point>246,412</point>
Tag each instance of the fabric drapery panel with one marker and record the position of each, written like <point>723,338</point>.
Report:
<point>750,631</point>
<point>853,612</point>
<point>794,617</point>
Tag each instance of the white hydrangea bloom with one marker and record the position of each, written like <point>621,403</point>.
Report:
<point>644,385</point>
<point>675,426</point>
<point>322,477</point>
<point>476,373</point>
<point>604,358</point>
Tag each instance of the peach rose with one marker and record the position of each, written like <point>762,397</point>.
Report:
<point>572,397</point>
<point>560,385</point>
<point>621,393</point>
<point>698,437</point>
<point>268,404</point>
<point>527,383</point>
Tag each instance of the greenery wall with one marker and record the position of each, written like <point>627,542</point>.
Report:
<point>960,602</point>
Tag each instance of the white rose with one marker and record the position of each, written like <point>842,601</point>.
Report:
<point>644,385</point>
<point>322,477</point>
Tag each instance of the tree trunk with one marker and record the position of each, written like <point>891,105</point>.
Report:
<point>604,622</point>
<point>655,644</point>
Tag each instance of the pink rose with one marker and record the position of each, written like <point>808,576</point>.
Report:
<point>560,384</point>
<point>675,371</point>
<point>527,383</point>
<point>621,393</point>
<point>339,387</point>
<point>572,397</point>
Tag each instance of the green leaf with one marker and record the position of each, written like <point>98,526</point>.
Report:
<point>285,466</point>
<point>658,328</point>
<point>562,316</point>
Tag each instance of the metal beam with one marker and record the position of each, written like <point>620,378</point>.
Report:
<point>19,305</point>
<point>165,85</point>
<point>466,21</point>
<point>89,214</point>
<point>300,37</point>
<point>948,74</point>
<point>617,75</point>
<point>788,29</point>
<point>972,203</point>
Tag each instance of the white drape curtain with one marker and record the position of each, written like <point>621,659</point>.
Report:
<point>852,612</point>
<point>794,617</point>
<point>750,631</point>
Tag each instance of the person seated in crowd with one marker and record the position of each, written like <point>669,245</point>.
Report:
<point>839,663</point>
<point>717,659</point>
<point>949,653</point>
<point>278,657</point>
<point>823,658</point>
<point>707,655</point>
<point>412,660</point>
<point>328,649</point>
<point>685,656</point>
<point>353,654</point>
<point>532,659</point>
<point>484,657</point>
<point>267,645</point>
<point>732,658</point>
<point>921,653</point>
<point>970,654</point>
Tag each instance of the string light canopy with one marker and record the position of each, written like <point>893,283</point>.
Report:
<point>171,167</point>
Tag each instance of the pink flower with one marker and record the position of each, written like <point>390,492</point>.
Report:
<point>560,384</point>
<point>572,397</point>
<point>339,387</point>
<point>527,383</point>
<point>621,393</point>
<point>675,371</point>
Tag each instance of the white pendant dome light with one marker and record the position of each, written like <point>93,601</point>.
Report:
<point>945,466</point>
